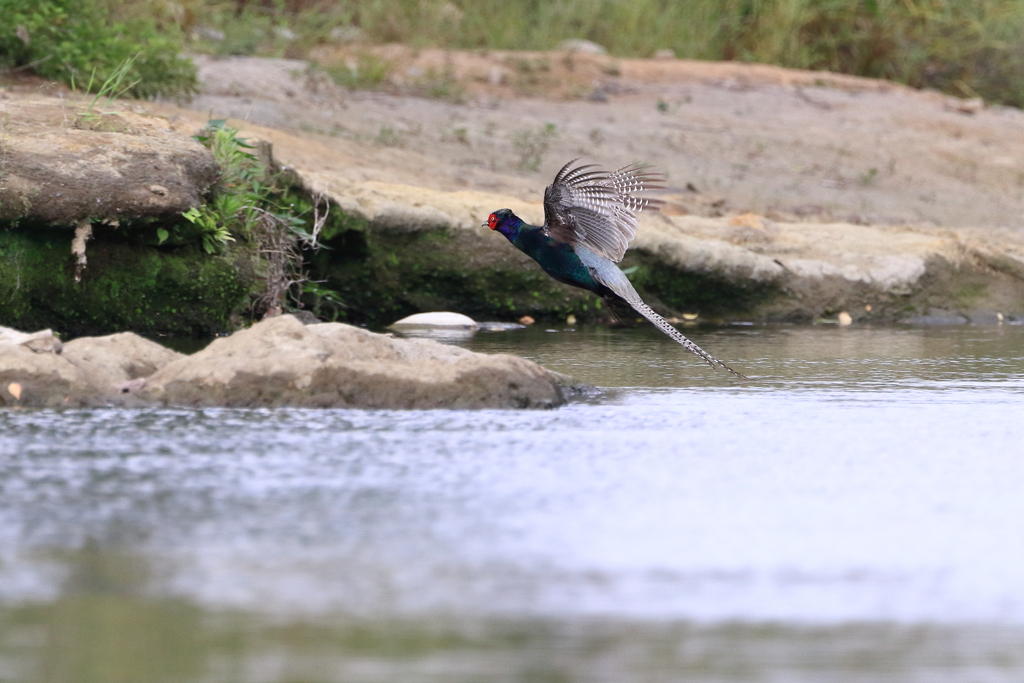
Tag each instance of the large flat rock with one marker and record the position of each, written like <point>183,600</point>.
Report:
<point>277,362</point>
<point>281,362</point>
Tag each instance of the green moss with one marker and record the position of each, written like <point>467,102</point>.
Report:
<point>706,293</point>
<point>381,276</point>
<point>199,273</point>
<point>137,281</point>
<point>126,285</point>
<point>969,293</point>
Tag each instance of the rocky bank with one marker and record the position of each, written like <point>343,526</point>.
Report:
<point>92,238</point>
<point>791,196</point>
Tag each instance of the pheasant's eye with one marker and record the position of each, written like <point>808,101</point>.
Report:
<point>492,221</point>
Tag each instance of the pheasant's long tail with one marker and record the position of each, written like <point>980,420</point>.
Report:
<point>609,275</point>
<point>677,336</point>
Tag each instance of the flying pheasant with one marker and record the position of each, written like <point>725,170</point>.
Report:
<point>589,220</point>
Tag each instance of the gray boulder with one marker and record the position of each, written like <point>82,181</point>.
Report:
<point>43,380</point>
<point>92,371</point>
<point>281,362</point>
<point>43,340</point>
<point>118,363</point>
<point>277,362</point>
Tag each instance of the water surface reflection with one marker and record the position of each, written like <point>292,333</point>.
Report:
<point>851,515</point>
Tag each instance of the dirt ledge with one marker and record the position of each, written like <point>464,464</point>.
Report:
<point>63,163</point>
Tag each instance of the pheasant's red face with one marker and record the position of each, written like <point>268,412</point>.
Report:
<point>492,221</point>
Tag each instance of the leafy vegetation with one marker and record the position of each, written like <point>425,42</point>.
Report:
<point>110,89</point>
<point>235,257</point>
<point>252,203</point>
<point>84,42</point>
<point>965,47</point>
<point>128,286</point>
<point>367,72</point>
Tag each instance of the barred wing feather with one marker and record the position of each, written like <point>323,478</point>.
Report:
<point>589,207</point>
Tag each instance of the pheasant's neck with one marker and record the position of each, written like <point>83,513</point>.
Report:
<point>511,227</point>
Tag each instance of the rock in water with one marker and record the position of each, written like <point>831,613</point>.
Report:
<point>90,372</point>
<point>281,362</point>
<point>43,380</point>
<point>436,319</point>
<point>277,362</point>
<point>111,362</point>
<point>41,341</point>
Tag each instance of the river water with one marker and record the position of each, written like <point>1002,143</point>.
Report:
<point>853,513</point>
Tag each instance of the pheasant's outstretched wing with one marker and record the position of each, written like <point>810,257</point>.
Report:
<point>587,206</point>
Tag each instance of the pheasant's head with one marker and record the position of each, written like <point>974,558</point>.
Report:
<point>505,222</point>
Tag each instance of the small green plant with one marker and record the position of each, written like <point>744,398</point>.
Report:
<point>459,135</point>
<point>868,176</point>
<point>215,232</point>
<point>388,137</point>
<point>532,144</point>
<point>325,301</point>
<point>247,205</point>
<point>112,88</point>
<point>441,85</point>
<point>366,72</point>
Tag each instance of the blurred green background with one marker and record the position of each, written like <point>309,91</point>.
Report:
<point>967,48</point>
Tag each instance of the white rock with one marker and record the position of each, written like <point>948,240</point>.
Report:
<point>436,319</point>
<point>972,105</point>
<point>347,34</point>
<point>207,33</point>
<point>584,46</point>
<point>41,341</point>
<point>284,33</point>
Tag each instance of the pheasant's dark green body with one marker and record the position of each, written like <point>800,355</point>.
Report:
<point>558,259</point>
